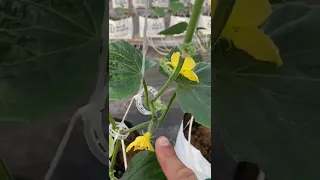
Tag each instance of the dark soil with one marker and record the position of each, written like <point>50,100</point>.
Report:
<point>119,166</point>
<point>200,137</point>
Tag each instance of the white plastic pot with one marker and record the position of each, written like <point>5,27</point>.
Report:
<point>121,29</point>
<point>191,156</point>
<point>153,28</point>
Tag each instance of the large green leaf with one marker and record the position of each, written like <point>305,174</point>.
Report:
<point>175,29</point>
<point>125,64</point>
<point>49,56</point>
<point>144,166</point>
<point>195,98</point>
<point>270,115</point>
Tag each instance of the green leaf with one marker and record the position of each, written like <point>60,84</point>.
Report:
<point>175,6</point>
<point>159,11</point>
<point>195,98</point>
<point>175,29</point>
<point>110,146</point>
<point>125,64</point>
<point>49,56</point>
<point>268,115</point>
<point>144,165</point>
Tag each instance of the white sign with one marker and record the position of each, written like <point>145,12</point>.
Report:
<point>160,3</point>
<point>121,29</point>
<point>138,3</point>
<point>177,19</point>
<point>205,22</point>
<point>153,28</point>
<point>120,4</point>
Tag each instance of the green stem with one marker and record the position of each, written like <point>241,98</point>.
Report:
<point>190,32</point>
<point>112,122</point>
<point>155,123</point>
<point>146,93</point>
<point>164,114</point>
<point>114,157</point>
<point>139,126</point>
<point>165,87</point>
<point>193,20</point>
<point>146,100</point>
<point>153,111</point>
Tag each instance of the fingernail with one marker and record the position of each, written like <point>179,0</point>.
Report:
<point>164,142</point>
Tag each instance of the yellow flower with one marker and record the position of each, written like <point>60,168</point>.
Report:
<point>187,66</point>
<point>242,29</point>
<point>141,143</point>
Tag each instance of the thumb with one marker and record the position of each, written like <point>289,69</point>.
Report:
<point>170,164</point>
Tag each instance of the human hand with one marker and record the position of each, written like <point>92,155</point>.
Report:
<point>170,164</point>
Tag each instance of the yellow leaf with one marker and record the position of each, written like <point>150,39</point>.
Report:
<point>247,13</point>
<point>256,43</point>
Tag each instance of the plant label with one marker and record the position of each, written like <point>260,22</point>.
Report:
<point>138,3</point>
<point>160,3</point>
<point>120,4</point>
<point>177,19</point>
<point>205,22</point>
<point>153,28</point>
<point>121,29</point>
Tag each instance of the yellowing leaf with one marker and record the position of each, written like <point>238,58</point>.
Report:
<point>247,13</point>
<point>254,42</point>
